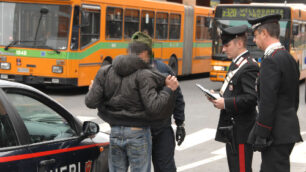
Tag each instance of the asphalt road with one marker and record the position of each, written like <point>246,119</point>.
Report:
<point>199,152</point>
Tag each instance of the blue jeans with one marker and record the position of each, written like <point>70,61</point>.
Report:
<point>130,146</point>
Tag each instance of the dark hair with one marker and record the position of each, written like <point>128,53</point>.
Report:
<point>138,47</point>
<point>272,28</point>
<point>243,38</point>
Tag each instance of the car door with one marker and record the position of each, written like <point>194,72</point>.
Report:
<point>54,135</point>
<point>13,148</point>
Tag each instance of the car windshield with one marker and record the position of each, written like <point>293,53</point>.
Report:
<point>34,25</point>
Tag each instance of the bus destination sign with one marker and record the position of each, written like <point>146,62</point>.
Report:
<point>240,12</point>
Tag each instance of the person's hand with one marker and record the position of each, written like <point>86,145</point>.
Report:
<point>90,86</point>
<point>209,98</point>
<point>180,134</point>
<point>171,82</point>
<point>261,144</point>
<point>219,103</point>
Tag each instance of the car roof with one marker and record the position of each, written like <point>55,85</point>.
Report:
<point>10,84</point>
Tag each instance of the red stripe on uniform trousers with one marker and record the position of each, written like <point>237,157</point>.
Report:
<point>235,105</point>
<point>262,125</point>
<point>45,153</point>
<point>241,158</point>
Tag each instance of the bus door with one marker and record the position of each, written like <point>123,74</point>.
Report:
<point>202,44</point>
<point>161,34</point>
<point>89,34</point>
<point>188,40</point>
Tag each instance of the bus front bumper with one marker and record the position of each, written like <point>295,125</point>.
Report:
<point>217,76</point>
<point>38,80</point>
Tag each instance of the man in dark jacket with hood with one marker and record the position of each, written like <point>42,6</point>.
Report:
<point>163,140</point>
<point>130,96</point>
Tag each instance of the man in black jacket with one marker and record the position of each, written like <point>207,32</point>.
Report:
<point>277,127</point>
<point>163,141</point>
<point>130,96</point>
<point>238,101</point>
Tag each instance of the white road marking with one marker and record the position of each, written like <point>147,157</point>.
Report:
<point>86,118</point>
<point>219,154</point>
<point>197,138</point>
<point>105,127</point>
<point>298,154</point>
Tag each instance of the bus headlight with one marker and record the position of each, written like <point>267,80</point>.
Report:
<point>219,68</point>
<point>5,65</point>
<point>57,69</point>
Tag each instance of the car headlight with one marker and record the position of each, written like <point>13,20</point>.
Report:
<point>219,68</point>
<point>5,65</point>
<point>57,69</point>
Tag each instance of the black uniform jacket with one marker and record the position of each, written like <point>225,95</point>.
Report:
<point>240,99</point>
<point>278,99</point>
<point>179,108</point>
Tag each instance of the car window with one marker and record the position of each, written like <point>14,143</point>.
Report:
<point>42,122</point>
<point>7,134</point>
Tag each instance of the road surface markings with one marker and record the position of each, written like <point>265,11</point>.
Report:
<point>105,127</point>
<point>298,154</point>
<point>197,138</point>
<point>219,154</point>
<point>86,118</point>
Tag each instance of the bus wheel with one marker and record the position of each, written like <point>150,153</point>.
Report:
<point>106,62</point>
<point>173,64</point>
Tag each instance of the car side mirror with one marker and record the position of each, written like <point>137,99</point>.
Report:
<point>90,128</point>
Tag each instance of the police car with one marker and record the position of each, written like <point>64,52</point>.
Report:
<point>38,134</point>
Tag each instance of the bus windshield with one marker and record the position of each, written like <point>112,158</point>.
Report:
<point>251,46</point>
<point>34,25</point>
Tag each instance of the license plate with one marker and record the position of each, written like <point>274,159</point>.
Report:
<point>23,70</point>
<point>3,76</point>
<point>55,80</point>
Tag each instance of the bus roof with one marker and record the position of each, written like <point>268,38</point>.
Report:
<point>209,11</point>
<point>153,4</point>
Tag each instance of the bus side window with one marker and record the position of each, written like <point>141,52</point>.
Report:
<point>175,26</point>
<point>296,35</point>
<point>90,25</point>
<point>114,23</point>
<point>203,28</point>
<point>131,23</point>
<point>147,22</point>
<point>161,25</point>
<point>75,29</point>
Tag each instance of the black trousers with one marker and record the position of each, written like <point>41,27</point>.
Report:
<point>240,161</point>
<point>276,158</point>
<point>163,145</point>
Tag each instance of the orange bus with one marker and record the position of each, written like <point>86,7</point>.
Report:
<point>65,42</point>
<point>292,32</point>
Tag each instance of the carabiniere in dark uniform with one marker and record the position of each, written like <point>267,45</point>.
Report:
<point>277,123</point>
<point>240,98</point>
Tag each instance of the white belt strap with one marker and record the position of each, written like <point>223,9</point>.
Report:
<point>230,76</point>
